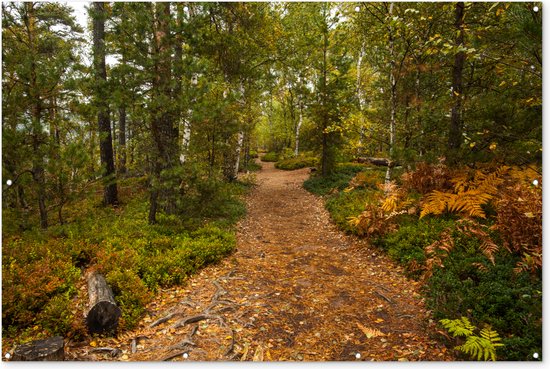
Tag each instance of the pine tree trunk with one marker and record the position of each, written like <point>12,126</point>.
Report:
<point>164,131</point>
<point>122,139</point>
<point>455,127</point>
<point>110,195</point>
<point>393,97</point>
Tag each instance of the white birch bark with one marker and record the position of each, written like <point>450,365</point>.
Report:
<point>240,139</point>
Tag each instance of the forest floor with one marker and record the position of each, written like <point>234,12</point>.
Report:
<point>296,288</point>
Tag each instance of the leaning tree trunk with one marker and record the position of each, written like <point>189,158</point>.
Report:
<point>103,313</point>
<point>50,349</point>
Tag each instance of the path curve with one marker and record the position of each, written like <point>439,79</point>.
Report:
<point>296,288</point>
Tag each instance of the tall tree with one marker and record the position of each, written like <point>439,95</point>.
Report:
<point>455,126</point>
<point>163,128</point>
<point>110,192</point>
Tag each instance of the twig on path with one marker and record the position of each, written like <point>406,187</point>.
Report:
<point>232,344</point>
<point>193,319</point>
<point>109,350</point>
<point>165,319</point>
<point>384,297</point>
<point>171,356</point>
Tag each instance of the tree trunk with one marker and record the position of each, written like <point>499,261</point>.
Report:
<point>455,127</point>
<point>49,349</point>
<point>110,193</point>
<point>393,98</point>
<point>238,149</point>
<point>186,139</point>
<point>38,171</point>
<point>164,131</point>
<point>325,156</point>
<point>298,126</point>
<point>103,313</point>
<point>360,98</point>
<point>122,139</point>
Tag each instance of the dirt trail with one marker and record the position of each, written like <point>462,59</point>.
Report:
<point>295,289</point>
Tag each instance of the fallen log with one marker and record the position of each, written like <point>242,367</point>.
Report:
<point>381,162</point>
<point>49,349</point>
<point>103,313</point>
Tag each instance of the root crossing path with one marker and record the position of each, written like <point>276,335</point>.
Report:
<point>296,288</point>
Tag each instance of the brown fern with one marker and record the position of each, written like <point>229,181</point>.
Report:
<point>469,195</point>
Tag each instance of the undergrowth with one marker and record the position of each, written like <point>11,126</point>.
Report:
<point>473,237</point>
<point>44,291</point>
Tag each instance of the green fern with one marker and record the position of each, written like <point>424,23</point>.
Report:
<point>478,347</point>
<point>459,327</point>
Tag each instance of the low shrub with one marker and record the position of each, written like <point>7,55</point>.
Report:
<point>296,163</point>
<point>270,157</point>
<point>338,181</point>
<point>42,269</point>
<point>407,244</point>
<point>344,205</point>
<point>495,295</point>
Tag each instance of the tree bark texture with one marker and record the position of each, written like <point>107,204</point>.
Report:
<point>103,313</point>
<point>49,349</point>
<point>164,130</point>
<point>110,195</point>
<point>455,128</point>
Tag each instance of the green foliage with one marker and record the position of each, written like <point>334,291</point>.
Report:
<point>41,269</point>
<point>270,157</point>
<point>407,244</point>
<point>346,204</point>
<point>491,294</point>
<point>477,347</point>
<point>337,181</point>
<point>296,163</point>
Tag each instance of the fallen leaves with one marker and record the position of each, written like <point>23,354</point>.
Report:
<point>370,332</point>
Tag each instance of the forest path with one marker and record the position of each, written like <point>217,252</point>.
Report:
<point>296,288</point>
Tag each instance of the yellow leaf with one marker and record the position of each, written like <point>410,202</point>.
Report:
<point>529,215</point>
<point>502,83</point>
<point>472,144</point>
<point>493,146</point>
<point>93,344</point>
<point>228,337</point>
<point>125,357</point>
<point>379,320</point>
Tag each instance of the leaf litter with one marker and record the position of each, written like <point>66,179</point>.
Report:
<point>296,288</point>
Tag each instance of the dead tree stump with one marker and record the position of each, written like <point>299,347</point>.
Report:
<point>50,349</point>
<point>103,313</point>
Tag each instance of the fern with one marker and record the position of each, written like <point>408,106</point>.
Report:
<point>458,327</point>
<point>482,346</point>
<point>470,194</point>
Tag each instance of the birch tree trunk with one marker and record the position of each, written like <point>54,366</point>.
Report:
<point>238,149</point>
<point>186,139</point>
<point>360,97</point>
<point>298,126</point>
